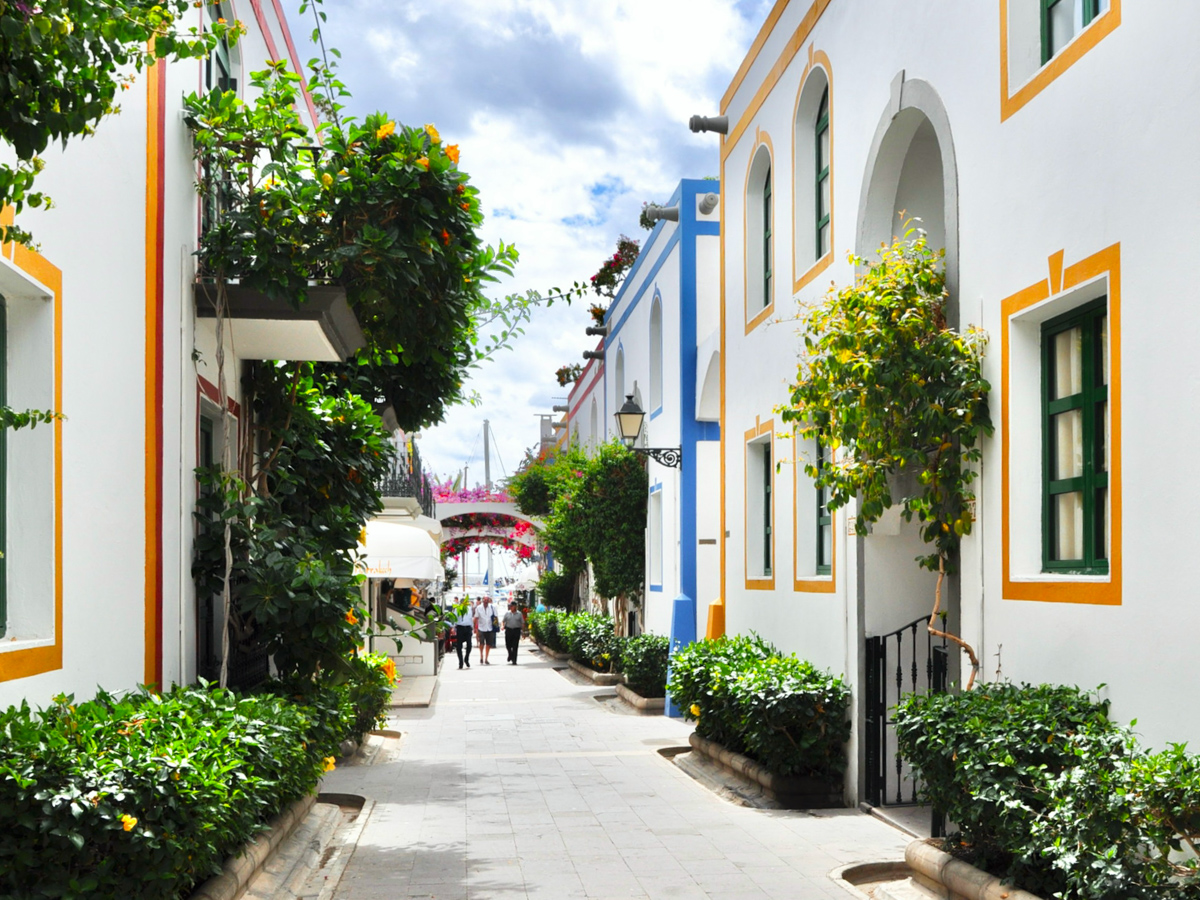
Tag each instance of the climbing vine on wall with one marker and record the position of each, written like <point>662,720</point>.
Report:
<point>893,391</point>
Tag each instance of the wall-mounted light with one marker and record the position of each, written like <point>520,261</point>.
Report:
<point>666,213</point>
<point>719,124</point>
<point>708,203</point>
<point>629,425</point>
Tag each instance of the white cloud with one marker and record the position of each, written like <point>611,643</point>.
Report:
<point>548,99</point>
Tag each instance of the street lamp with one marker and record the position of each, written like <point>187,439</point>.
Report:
<point>629,425</point>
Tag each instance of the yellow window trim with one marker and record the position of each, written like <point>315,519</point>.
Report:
<point>816,59</point>
<point>37,660</point>
<point>760,583</point>
<point>809,584</point>
<point>1106,262</point>
<point>1089,37</point>
<point>761,139</point>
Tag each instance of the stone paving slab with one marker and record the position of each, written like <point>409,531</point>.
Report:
<point>414,691</point>
<point>519,784</point>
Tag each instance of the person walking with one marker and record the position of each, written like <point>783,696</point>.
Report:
<point>463,627</point>
<point>485,628</point>
<point>513,623</point>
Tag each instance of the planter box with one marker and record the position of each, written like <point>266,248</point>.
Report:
<point>241,868</point>
<point>937,874</point>
<point>603,679</point>
<point>553,654</point>
<point>645,704</point>
<point>790,791</point>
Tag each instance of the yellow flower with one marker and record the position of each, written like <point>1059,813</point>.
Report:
<point>128,821</point>
<point>327,180</point>
<point>389,669</point>
<point>433,134</point>
<point>452,153</point>
<point>351,617</point>
<point>423,161</point>
<point>385,130</point>
<point>330,765</point>
<point>695,710</point>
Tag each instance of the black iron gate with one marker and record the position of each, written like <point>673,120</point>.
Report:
<point>905,661</point>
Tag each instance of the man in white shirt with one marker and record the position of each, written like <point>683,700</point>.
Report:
<point>463,626</point>
<point>485,628</point>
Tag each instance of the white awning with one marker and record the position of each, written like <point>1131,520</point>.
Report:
<point>527,578</point>
<point>398,550</point>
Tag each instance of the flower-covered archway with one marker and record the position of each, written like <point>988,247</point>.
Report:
<point>463,532</point>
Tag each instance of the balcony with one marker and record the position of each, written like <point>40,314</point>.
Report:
<point>322,329</point>
<point>406,487</point>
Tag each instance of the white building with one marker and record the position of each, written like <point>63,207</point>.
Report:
<point>103,325</point>
<point>1048,148</point>
<point>661,348</point>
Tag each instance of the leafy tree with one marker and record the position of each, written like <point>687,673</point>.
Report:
<point>294,528</point>
<point>616,486</point>
<point>594,511</point>
<point>891,389</point>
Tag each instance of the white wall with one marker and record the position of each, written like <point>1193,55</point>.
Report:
<point>1094,158</point>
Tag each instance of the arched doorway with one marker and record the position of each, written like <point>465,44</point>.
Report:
<point>911,174</point>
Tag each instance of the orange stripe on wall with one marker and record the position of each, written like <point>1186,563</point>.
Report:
<point>155,131</point>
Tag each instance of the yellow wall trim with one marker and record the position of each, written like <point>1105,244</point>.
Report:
<point>790,49</point>
<point>1106,262</point>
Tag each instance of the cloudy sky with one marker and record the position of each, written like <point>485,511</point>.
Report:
<point>570,114</point>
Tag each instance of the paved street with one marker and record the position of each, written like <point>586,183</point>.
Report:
<point>517,783</point>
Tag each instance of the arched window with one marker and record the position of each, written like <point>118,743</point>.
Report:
<point>822,175</point>
<point>813,165</point>
<point>594,424</point>
<point>619,378</point>
<point>768,261</point>
<point>656,355</point>
<point>760,225</point>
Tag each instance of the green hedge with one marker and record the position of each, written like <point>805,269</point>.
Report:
<point>146,795</point>
<point>1048,792</point>
<point>544,628</point>
<point>644,663</point>
<point>590,640</point>
<point>779,710</point>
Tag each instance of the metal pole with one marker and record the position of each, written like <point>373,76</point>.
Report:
<point>487,482</point>
<point>487,456</point>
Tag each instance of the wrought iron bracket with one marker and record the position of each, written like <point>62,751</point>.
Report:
<point>666,456</point>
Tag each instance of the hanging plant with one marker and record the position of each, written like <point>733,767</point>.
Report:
<point>612,272</point>
<point>568,374</point>
<point>891,389</point>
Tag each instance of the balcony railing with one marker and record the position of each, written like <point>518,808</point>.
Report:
<point>407,479</point>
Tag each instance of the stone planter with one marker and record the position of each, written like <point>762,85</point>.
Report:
<point>240,869</point>
<point>937,874</point>
<point>636,700</point>
<point>553,654</point>
<point>790,792</point>
<point>603,679</point>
